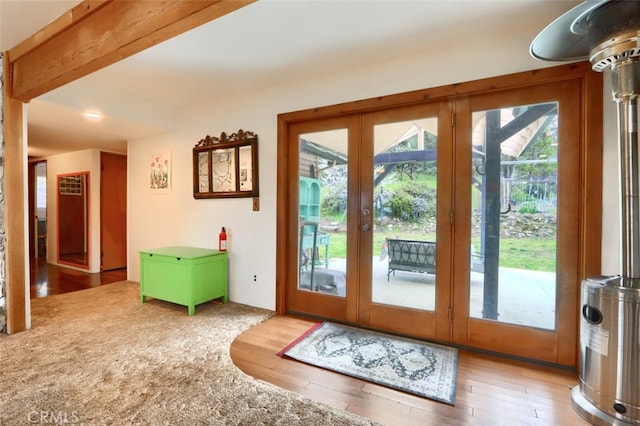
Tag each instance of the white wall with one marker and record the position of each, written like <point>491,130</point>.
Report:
<point>41,173</point>
<point>79,161</point>
<point>177,219</point>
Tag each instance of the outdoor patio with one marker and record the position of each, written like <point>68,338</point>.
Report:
<point>525,297</point>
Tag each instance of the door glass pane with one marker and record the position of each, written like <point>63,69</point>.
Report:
<point>322,212</point>
<point>514,212</point>
<point>404,230</point>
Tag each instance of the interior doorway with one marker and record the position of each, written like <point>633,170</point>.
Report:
<point>113,211</point>
<point>37,187</point>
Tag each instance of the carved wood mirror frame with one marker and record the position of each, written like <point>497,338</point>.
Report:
<point>226,166</point>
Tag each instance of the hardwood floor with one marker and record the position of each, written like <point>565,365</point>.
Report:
<point>47,279</point>
<point>490,390</point>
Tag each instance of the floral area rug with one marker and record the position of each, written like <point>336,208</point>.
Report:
<point>413,366</point>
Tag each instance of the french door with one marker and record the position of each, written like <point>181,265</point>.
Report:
<point>457,220</point>
<point>347,172</point>
<point>406,181</point>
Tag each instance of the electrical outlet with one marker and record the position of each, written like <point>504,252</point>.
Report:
<point>255,278</point>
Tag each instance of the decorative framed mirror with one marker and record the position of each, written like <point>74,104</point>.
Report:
<point>226,166</point>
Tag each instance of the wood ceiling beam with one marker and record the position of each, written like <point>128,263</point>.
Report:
<point>98,33</point>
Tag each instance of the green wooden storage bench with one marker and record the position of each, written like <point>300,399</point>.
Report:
<point>187,276</point>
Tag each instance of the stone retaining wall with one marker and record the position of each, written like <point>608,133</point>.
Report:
<point>512,225</point>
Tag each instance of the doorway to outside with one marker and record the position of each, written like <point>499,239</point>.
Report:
<point>456,220</point>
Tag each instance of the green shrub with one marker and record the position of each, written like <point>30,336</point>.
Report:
<point>333,204</point>
<point>413,202</point>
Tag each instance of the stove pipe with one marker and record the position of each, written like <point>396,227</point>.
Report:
<point>608,33</point>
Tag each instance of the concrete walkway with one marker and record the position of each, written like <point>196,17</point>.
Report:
<point>524,297</point>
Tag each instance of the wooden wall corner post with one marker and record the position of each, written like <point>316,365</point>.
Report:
<point>14,189</point>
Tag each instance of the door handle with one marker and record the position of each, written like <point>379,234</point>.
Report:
<point>365,213</point>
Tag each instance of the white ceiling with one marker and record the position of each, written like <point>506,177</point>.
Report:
<point>266,43</point>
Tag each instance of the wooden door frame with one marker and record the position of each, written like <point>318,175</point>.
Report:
<point>591,139</point>
<point>557,346</point>
<point>31,209</point>
<point>119,203</point>
<point>336,308</point>
<point>434,325</point>
<point>57,55</point>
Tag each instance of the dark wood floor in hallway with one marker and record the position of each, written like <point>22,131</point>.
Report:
<point>47,279</point>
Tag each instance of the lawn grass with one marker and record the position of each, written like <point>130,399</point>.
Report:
<point>521,253</point>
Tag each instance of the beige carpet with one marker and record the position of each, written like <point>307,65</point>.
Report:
<point>100,357</point>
